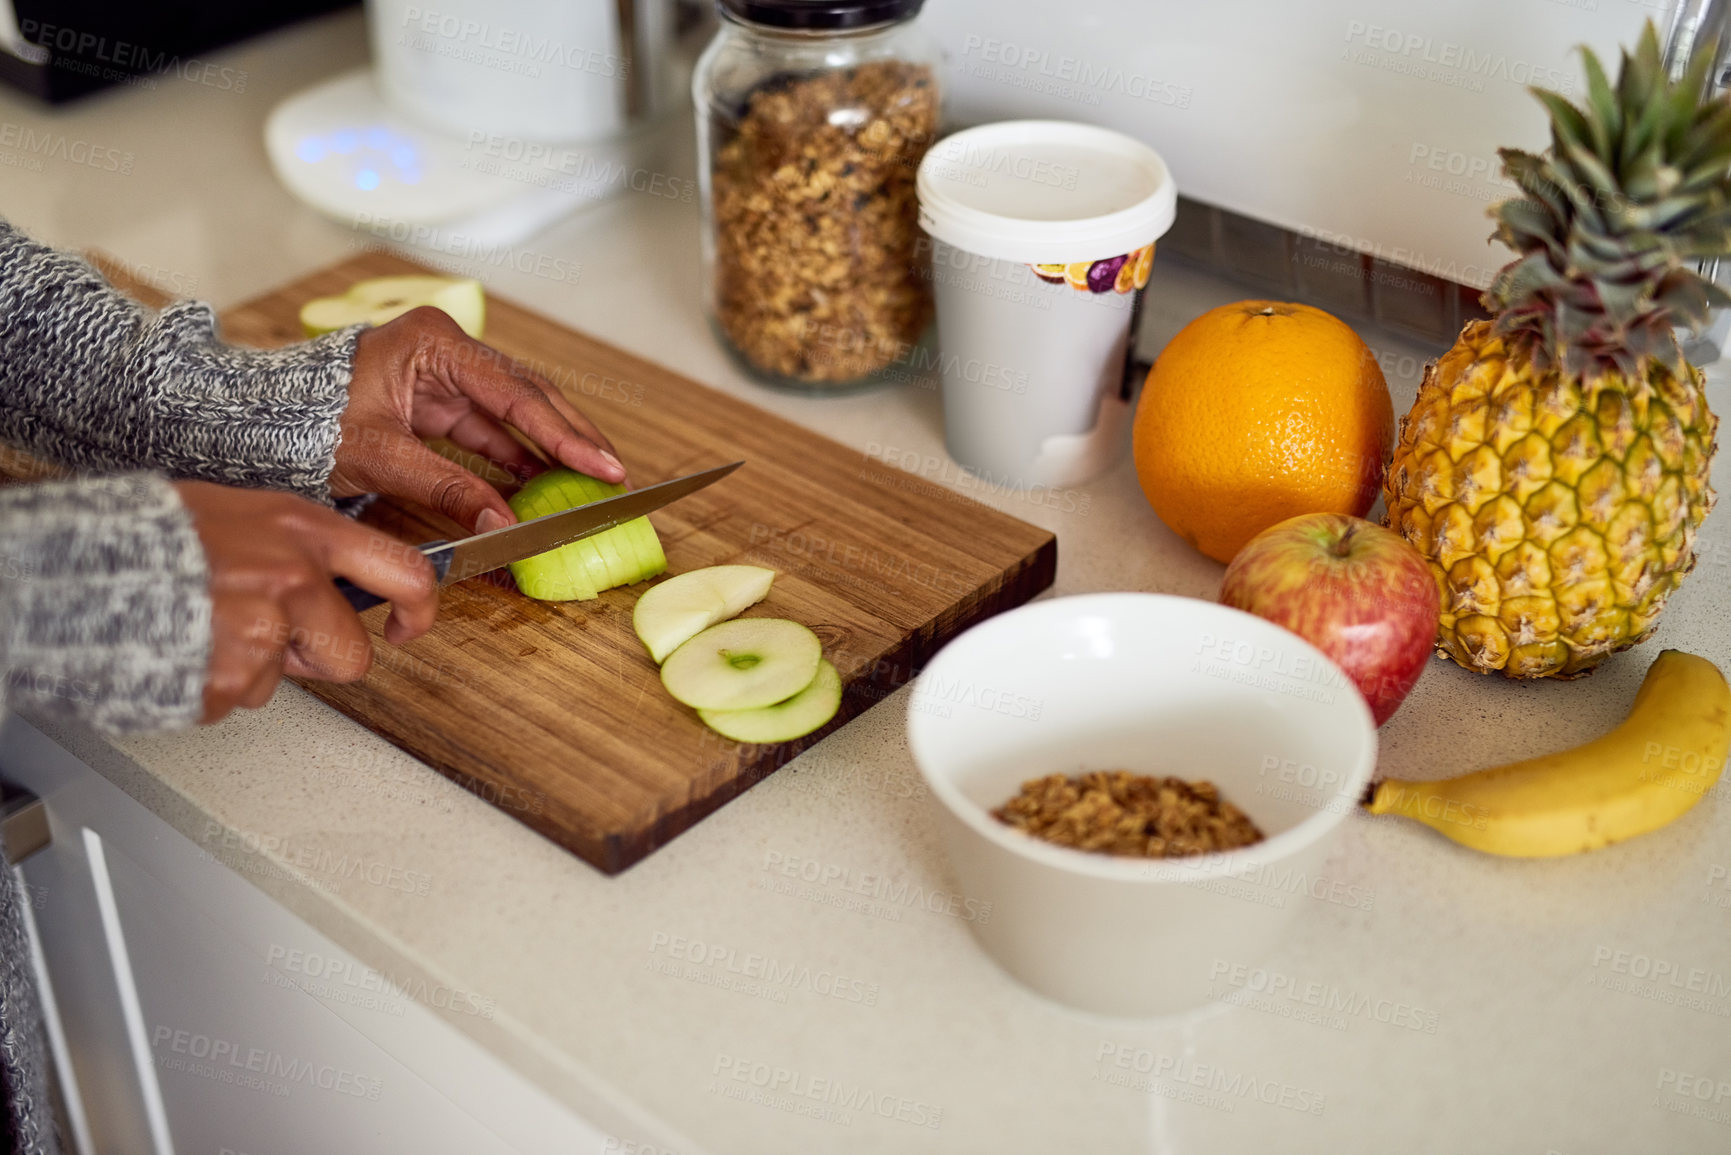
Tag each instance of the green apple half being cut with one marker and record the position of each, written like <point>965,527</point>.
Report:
<point>581,570</point>
<point>380,299</point>
<point>744,664</point>
<point>670,614</point>
<point>784,721</point>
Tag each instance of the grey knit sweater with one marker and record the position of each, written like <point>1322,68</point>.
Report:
<point>104,610</point>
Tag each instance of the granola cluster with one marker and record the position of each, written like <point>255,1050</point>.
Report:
<point>1133,815</point>
<point>816,221</point>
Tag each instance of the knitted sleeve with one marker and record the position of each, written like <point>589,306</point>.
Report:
<point>104,606</point>
<point>104,616</point>
<point>26,1119</point>
<point>92,380</point>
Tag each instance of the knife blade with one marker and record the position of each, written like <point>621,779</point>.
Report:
<point>455,561</point>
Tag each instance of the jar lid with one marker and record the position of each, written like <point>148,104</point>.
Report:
<point>1045,192</point>
<point>817,15</point>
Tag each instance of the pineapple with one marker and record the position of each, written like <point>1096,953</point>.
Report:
<point>1554,467</point>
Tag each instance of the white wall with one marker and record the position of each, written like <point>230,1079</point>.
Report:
<point>1322,116</point>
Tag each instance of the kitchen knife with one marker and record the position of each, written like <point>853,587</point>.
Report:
<point>454,561</point>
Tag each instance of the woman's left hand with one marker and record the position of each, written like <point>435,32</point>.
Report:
<point>421,376</point>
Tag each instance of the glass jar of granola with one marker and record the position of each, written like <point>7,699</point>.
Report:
<point>812,118</point>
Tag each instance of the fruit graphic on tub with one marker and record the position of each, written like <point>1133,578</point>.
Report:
<point>1103,275</point>
<point>1123,274</point>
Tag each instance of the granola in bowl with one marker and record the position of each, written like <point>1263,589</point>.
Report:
<point>1130,815</point>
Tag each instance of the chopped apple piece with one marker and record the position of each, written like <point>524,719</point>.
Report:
<point>560,575</point>
<point>643,544</point>
<point>784,721</point>
<point>670,614</point>
<point>743,664</point>
<point>581,570</point>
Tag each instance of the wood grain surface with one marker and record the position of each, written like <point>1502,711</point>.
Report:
<point>554,712</point>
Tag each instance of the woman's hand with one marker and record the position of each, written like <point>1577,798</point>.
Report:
<point>274,609</point>
<point>421,376</point>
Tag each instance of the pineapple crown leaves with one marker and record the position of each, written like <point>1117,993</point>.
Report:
<point>1635,187</point>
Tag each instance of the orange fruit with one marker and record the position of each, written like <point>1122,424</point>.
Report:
<point>1077,274</point>
<point>1256,412</point>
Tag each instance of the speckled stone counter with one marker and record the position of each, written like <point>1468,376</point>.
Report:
<point>1461,1002</point>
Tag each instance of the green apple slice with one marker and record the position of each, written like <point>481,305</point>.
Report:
<point>620,549</point>
<point>592,488</point>
<point>620,571</point>
<point>623,560</point>
<point>784,721</point>
<point>579,489</point>
<point>651,558</point>
<point>638,544</point>
<point>557,576</point>
<point>670,614</point>
<point>379,299</point>
<point>744,664</point>
<point>581,570</point>
<point>556,579</point>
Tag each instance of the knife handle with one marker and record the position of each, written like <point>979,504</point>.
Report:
<point>362,599</point>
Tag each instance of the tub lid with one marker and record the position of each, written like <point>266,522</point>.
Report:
<point>1045,192</point>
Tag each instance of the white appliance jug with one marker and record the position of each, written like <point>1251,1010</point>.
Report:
<point>483,121</point>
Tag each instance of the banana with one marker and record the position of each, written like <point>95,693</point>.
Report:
<point>1647,772</point>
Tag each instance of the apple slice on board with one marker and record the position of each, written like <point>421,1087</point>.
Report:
<point>379,299</point>
<point>744,664</point>
<point>784,721</point>
<point>670,614</point>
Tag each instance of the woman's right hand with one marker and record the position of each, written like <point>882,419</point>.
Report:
<point>274,608</point>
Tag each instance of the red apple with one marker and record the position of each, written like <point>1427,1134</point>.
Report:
<point>1355,591</point>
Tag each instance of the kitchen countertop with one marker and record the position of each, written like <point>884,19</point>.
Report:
<point>1479,1003</point>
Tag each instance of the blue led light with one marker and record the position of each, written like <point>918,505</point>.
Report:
<point>403,156</point>
<point>366,180</point>
<point>311,149</point>
<point>344,141</point>
<point>378,137</point>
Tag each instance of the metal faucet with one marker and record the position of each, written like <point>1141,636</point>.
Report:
<point>1703,25</point>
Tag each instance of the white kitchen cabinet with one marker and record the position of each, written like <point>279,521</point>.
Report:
<point>192,1013</point>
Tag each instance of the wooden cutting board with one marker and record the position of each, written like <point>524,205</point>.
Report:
<point>554,712</point>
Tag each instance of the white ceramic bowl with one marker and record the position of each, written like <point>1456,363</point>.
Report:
<point>1153,684</point>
